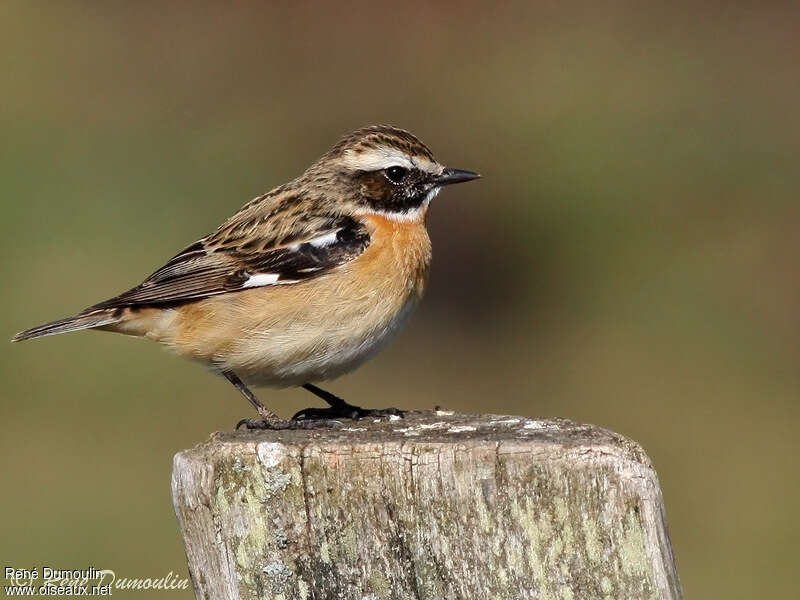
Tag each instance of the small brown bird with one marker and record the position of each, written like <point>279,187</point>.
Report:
<point>303,284</point>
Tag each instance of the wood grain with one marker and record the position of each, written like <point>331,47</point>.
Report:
<point>434,506</point>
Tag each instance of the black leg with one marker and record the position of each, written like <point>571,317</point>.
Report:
<point>331,399</point>
<point>339,409</point>
<point>268,420</point>
<point>251,397</point>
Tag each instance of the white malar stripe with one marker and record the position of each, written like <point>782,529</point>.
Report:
<point>400,217</point>
<point>409,215</point>
<point>431,195</point>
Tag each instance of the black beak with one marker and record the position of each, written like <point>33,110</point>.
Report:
<point>450,176</point>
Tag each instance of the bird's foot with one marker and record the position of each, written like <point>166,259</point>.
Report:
<point>319,418</point>
<point>343,411</point>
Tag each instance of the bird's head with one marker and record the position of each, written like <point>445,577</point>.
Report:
<point>387,171</point>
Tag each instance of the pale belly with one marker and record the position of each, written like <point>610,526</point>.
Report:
<point>296,354</point>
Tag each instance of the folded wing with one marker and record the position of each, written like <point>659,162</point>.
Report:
<point>224,262</point>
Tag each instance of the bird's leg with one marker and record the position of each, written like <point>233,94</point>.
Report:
<point>268,420</point>
<point>265,413</point>
<point>339,409</point>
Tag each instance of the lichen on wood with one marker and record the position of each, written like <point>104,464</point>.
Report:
<point>433,506</point>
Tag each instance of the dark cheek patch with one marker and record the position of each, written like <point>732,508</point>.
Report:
<point>382,195</point>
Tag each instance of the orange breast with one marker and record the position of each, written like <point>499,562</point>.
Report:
<point>400,252</point>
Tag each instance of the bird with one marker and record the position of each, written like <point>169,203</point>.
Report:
<point>303,284</point>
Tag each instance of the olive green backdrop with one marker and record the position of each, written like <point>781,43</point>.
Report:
<point>629,258</point>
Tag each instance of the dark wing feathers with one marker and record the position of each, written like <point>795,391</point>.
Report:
<point>223,263</point>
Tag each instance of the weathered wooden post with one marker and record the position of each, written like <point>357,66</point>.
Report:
<point>434,506</point>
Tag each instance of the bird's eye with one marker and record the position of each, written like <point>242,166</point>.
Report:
<point>396,174</point>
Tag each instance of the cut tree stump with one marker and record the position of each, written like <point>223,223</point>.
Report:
<point>433,506</point>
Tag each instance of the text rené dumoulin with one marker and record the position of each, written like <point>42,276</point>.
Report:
<point>82,577</point>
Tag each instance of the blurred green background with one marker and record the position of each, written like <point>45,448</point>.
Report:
<point>629,258</point>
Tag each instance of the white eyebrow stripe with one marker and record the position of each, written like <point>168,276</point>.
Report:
<point>375,160</point>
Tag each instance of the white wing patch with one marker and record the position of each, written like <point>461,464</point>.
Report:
<point>264,279</point>
<point>318,242</point>
<point>261,279</point>
<point>324,240</point>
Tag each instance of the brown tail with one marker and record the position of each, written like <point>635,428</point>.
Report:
<point>84,320</point>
